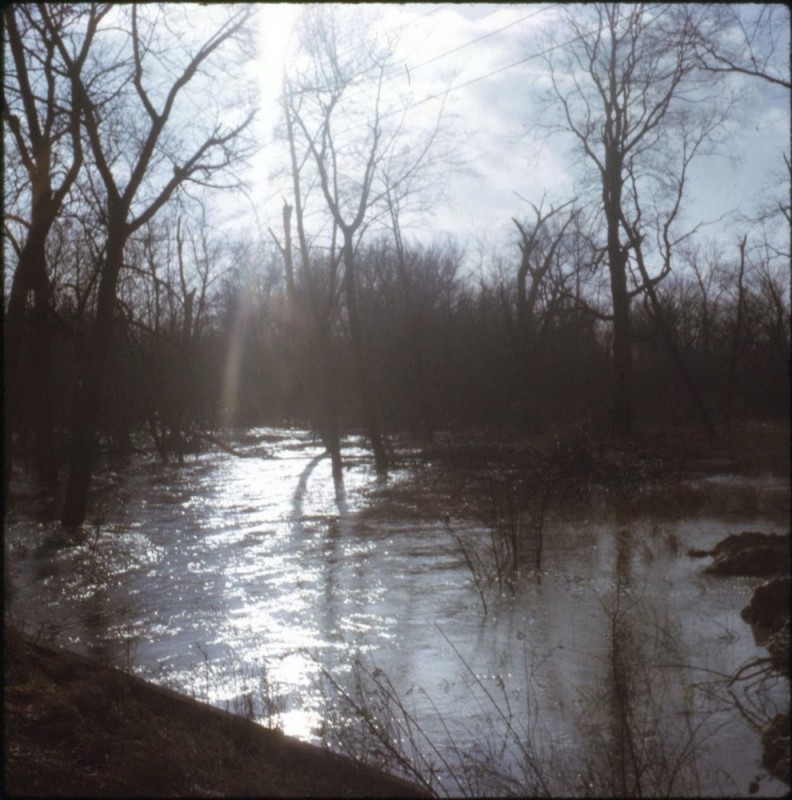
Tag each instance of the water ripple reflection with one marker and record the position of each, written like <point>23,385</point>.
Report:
<point>247,577</point>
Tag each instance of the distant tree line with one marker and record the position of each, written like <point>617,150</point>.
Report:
<point>131,321</point>
<point>224,354</point>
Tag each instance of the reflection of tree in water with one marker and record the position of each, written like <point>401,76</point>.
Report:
<point>644,731</point>
<point>332,527</point>
<point>624,654</point>
<point>624,548</point>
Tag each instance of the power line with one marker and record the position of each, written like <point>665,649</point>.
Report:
<point>428,13</point>
<point>396,71</point>
<point>495,72</point>
<point>479,38</point>
<point>490,74</point>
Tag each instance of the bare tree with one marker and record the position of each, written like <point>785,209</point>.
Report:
<point>139,169</point>
<point>164,299</point>
<point>759,336</point>
<point>689,138</point>
<point>757,44</point>
<point>625,85</point>
<point>362,153</point>
<point>42,114</point>
<point>408,291</point>
<point>539,246</point>
<point>410,186</point>
<point>348,198</point>
<point>543,296</point>
<point>312,322</point>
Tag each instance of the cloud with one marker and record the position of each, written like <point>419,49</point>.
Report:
<point>499,110</point>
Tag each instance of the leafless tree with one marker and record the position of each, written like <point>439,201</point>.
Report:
<point>140,166</point>
<point>41,110</point>
<point>410,185</point>
<point>630,92</point>
<point>164,299</point>
<point>311,320</point>
<point>757,44</point>
<point>539,246</point>
<point>355,139</point>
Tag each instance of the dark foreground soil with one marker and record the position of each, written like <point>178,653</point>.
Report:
<point>76,728</point>
<point>768,616</point>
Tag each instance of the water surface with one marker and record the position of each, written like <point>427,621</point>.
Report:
<point>245,580</point>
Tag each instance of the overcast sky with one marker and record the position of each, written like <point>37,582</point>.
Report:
<point>482,55</point>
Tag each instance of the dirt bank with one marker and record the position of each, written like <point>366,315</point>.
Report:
<point>76,728</point>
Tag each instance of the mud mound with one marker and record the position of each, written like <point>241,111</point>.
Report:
<point>748,554</point>
<point>776,745</point>
<point>768,616</point>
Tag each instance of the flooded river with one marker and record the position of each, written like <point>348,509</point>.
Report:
<point>248,582</point>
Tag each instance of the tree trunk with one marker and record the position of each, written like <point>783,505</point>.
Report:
<point>184,378</point>
<point>359,355</point>
<point>329,416</point>
<point>622,355</point>
<point>617,264</point>
<point>87,406</point>
<point>30,275</point>
<point>14,321</point>
<point>426,406</point>
<point>45,456</point>
<point>737,339</point>
<point>318,334</point>
<point>288,260</point>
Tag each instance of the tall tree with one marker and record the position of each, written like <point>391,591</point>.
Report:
<point>408,186</point>
<point>356,138</point>
<point>626,84</point>
<point>312,322</point>
<point>141,166</point>
<point>41,110</point>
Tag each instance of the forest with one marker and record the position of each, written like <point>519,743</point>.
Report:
<point>133,320</point>
<point>530,311</point>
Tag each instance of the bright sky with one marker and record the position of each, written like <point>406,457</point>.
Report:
<point>476,50</point>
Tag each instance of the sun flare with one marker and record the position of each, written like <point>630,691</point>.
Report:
<point>277,22</point>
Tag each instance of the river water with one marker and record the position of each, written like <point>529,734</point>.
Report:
<point>249,583</point>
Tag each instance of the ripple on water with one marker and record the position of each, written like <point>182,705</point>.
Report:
<point>228,564</point>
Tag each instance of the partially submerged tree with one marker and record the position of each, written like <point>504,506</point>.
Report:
<point>41,111</point>
<point>346,167</point>
<point>313,316</point>
<point>141,165</point>
<point>361,151</point>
